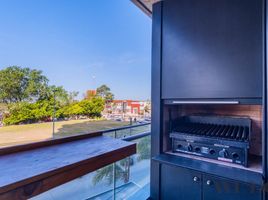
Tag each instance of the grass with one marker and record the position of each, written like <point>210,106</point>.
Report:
<point>19,134</point>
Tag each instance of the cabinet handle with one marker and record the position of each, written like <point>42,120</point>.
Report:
<point>195,179</point>
<point>209,182</point>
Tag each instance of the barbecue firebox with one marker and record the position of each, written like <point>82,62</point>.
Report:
<point>215,137</point>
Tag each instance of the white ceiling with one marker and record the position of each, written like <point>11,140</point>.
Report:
<point>149,3</point>
<point>145,5</point>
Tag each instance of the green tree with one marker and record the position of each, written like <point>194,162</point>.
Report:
<point>56,97</point>
<point>97,106</point>
<point>57,93</point>
<point>41,110</point>
<point>19,113</point>
<point>27,112</point>
<point>109,97</point>
<point>29,98</point>
<point>147,108</point>
<point>90,108</point>
<point>105,93</point>
<point>93,107</point>
<point>86,107</point>
<point>72,96</point>
<point>21,84</point>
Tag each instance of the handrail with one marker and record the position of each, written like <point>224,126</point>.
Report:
<point>124,127</point>
<point>137,136</point>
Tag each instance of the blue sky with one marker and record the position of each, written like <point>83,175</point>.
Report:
<point>80,44</point>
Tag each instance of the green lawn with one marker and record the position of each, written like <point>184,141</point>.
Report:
<point>19,134</point>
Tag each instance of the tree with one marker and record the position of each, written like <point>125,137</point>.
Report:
<point>97,105</point>
<point>18,113</point>
<point>93,107</point>
<point>28,98</point>
<point>54,98</point>
<point>147,108</point>
<point>21,84</point>
<point>58,93</point>
<point>74,110</point>
<point>26,112</point>
<point>103,90</point>
<point>109,97</point>
<point>90,108</point>
<point>105,93</point>
<point>72,96</point>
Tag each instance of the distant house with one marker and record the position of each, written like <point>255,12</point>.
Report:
<point>128,107</point>
<point>90,94</point>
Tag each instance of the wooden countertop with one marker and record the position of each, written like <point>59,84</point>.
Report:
<point>33,171</point>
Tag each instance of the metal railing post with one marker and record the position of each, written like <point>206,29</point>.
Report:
<point>114,173</point>
<point>114,181</point>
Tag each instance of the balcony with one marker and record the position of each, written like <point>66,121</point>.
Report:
<point>128,178</point>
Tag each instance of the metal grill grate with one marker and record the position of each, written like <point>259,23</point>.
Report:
<point>234,132</point>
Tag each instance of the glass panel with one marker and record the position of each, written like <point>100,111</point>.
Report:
<point>74,127</point>
<point>133,131</point>
<point>27,133</point>
<point>133,173</point>
<point>132,180</point>
<point>93,186</point>
<point>140,129</point>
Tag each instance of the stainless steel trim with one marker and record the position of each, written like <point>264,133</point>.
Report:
<point>205,102</point>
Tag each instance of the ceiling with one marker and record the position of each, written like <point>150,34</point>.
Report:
<point>145,5</point>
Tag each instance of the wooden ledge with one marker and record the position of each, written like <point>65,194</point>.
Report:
<point>31,172</point>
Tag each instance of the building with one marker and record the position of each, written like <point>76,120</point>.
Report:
<point>128,107</point>
<point>90,94</point>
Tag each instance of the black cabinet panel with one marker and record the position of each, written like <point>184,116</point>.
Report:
<point>215,188</point>
<point>180,184</point>
<point>156,98</point>
<point>212,49</point>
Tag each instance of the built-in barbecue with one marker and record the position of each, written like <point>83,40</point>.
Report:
<point>216,137</point>
<point>209,100</point>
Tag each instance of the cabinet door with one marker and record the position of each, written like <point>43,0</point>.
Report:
<point>215,188</point>
<point>180,184</point>
<point>212,49</point>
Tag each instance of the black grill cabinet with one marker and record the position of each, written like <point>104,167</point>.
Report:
<point>207,52</point>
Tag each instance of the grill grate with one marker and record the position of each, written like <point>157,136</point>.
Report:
<point>234,132</point>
